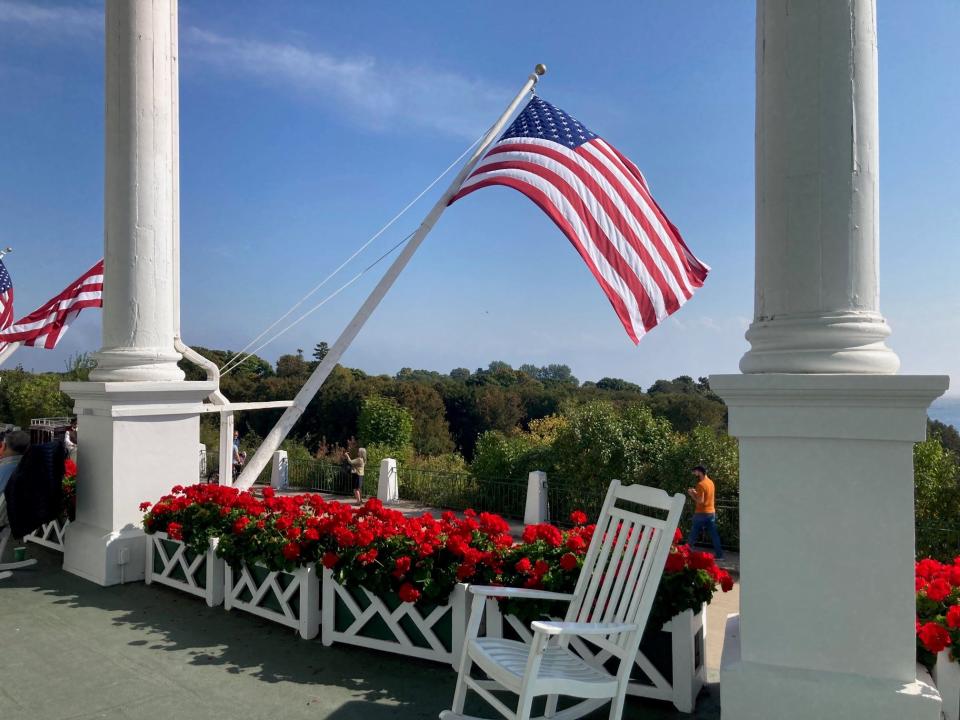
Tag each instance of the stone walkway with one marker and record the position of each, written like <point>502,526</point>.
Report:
<point>72,650</point>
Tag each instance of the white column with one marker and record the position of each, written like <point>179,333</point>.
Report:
<point>138,314</point>
<point>388,488</point>
<point>138,421</point>
<point>280,471</point>
<point>826,430</point>
<point>817,303</point>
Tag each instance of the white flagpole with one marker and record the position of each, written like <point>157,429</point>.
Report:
<point>290,416</point>
<point>9,350</point>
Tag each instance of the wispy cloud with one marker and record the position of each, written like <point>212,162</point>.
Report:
<point>52,19</point>
<point>368,90</point>
<point>375,93</point>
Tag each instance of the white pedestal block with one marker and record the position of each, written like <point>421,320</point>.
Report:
<point>136,440</point>
<point>756,691</point>
<point>280,471</point>
<point>826,545</point>
<point>388,489</point>
<point>537,508</point>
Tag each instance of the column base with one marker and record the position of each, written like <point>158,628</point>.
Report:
<point>136,365</point>
<point>755,691</point>
<point>135,442</point>
<point>106,557</point>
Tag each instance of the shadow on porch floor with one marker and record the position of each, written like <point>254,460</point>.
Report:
<point>73,650</point>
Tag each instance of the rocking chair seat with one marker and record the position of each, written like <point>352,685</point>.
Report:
<point>560,671</point>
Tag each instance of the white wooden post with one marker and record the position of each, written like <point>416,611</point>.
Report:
<point>226,447</point>
<point>946,674</point>
<point>279,471</point>
<point>388,489</point>
<point>537,509</point>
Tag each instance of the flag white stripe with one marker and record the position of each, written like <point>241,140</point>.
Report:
<point>609,274</point>
<point>61,307</point>
<point>617,240</point>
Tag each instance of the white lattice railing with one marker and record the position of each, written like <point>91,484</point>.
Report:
<point>288,598</point>
<point>168,562</point>
<point>355,616</point>
<point>50,535</point>
<point>946,676</point>
<point>686,643</point>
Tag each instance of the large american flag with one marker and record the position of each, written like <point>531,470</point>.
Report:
<point>602,203</point>
<point>45,326</point>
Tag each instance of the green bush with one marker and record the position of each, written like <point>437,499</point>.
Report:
<point>384,422</point>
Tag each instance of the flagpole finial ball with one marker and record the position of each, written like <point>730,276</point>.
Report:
<point>540,69</point>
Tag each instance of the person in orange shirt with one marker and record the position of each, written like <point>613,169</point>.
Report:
<point>704,514</point>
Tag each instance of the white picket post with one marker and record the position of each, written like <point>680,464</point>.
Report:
<point>280,471</point>
<point>388,489</point>
<point>536,510</point>
<point>327,606</point>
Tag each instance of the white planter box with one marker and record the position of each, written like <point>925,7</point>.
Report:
<point>169,563</point>
<point>946,676</point>
<point>49,535</point>
<point>677,676</point>
<point>355,616</point>
<point>287,598</point>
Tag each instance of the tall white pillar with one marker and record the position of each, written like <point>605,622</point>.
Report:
<point>826,430</point>
<point>138,421</point>
<point>817,301</point>
<point>138,314</point>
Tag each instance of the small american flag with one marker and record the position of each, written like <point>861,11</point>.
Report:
<point>6,297</point>
<point>601,202</point>
<point>45,326</point>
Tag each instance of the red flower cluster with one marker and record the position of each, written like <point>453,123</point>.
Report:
<point>938,609</point>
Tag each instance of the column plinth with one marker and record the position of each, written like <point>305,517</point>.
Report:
<point>827,602</point>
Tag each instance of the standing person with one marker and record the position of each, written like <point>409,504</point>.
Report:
<point>704,514</point>
<point>356,468</point>
<point>70,441</point>
<point>12,447</point>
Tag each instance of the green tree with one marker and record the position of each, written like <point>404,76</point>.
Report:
<point>320,351</point>
<point>937,499</point>
<point>27,396</point>
<point>431,433</point>
<point>384,422</point>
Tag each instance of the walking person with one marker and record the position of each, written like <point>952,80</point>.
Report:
<point>704,514</point>
<point>356,469</point>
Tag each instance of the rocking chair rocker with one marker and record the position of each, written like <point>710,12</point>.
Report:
<point>608,608</point>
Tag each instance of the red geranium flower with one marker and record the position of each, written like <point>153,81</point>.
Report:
<point>568,562</point>
<point>291,551</point>
<point>701,560</point>
<point>726,582</point>
<point>330,559</point>
<point>938,590</point>
<point>953,616</point>
<point>576,543</point>
<point>401,566</point>
<point>144,506</point>
<point>934,637</point>
<point>408,593</point>
<point>175,531</point>
<point>541,568</point>
<point>578,517</point>
<point>240,524</point>
<point>523,566</point>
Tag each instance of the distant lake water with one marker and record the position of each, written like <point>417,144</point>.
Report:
<point>946,410</point>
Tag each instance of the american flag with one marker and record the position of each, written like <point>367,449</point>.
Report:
<point>601,202</point>
<point>45,326</point>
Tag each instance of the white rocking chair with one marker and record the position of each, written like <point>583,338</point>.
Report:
<point>608,608</point>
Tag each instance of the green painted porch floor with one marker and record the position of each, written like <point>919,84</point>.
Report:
<point>72,649</point>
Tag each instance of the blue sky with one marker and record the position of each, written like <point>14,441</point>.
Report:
<point>305,126</point>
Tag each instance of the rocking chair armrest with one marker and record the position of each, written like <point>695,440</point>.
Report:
<point>575,628</point>
<point>518,593</point>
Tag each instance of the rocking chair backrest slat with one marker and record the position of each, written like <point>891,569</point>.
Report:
<point>625,560</point>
